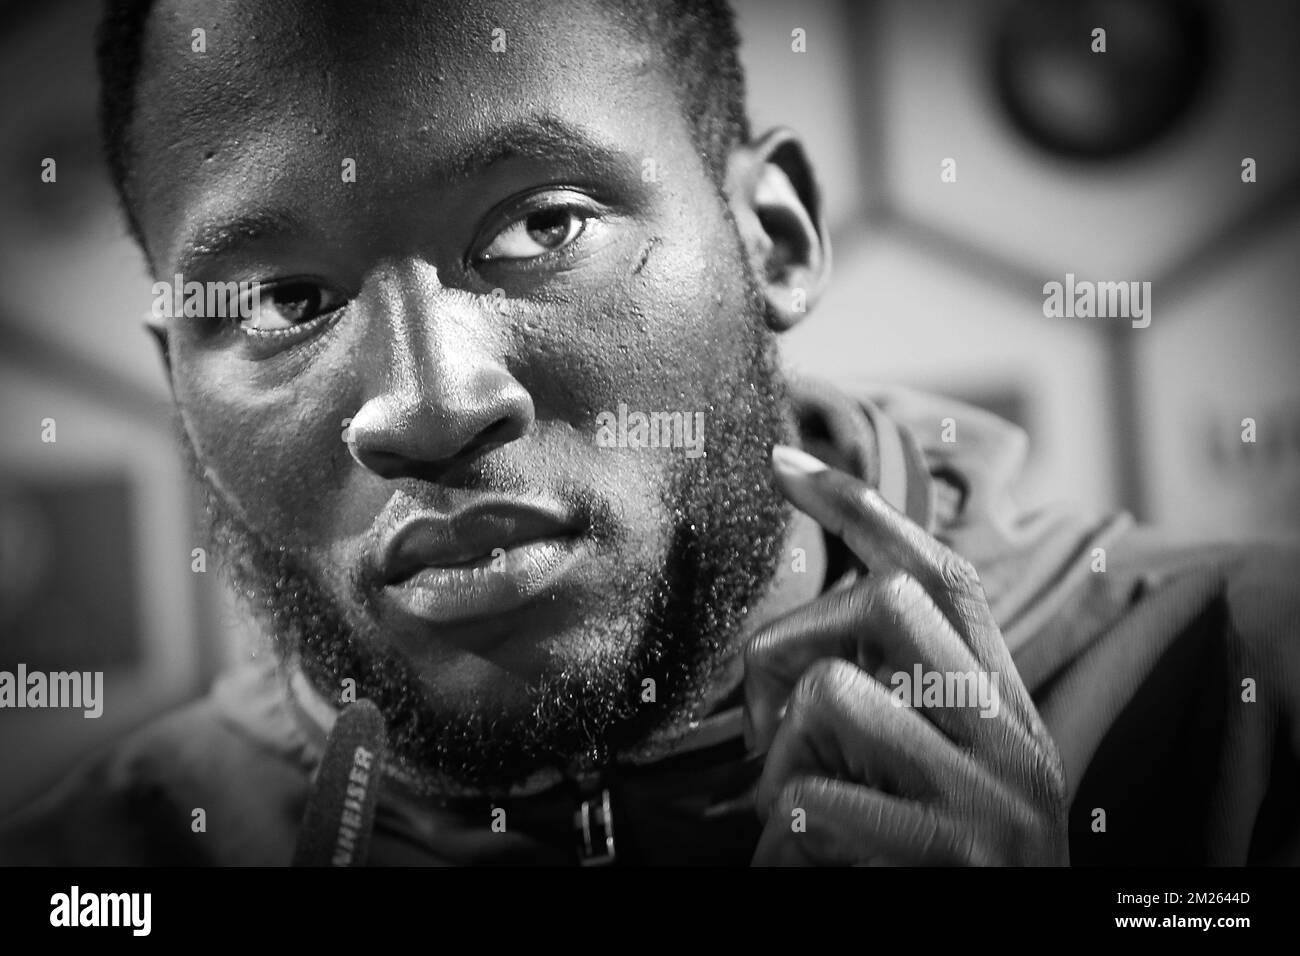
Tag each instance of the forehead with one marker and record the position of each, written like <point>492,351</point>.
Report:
<point>290,88</point>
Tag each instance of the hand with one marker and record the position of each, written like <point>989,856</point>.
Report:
<point>972,777</point>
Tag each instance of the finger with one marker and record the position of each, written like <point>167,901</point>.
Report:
<point>818,821</point>
<point>884,625</point>
<point>848,508</point>
<point>884,539</point>
<point>842,723</point>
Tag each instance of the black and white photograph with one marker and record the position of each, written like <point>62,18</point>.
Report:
<point>640,434</point>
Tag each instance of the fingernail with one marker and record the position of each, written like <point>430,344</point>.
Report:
<point>794,462</point>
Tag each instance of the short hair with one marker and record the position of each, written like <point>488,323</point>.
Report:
<point>698,37</point>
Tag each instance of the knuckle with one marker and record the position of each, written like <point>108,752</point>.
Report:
<point>792,796</point>
<point>900,590</point>
<point>902,595</point>
<point>756,650</point>
<point>1043,778</point>
<point>957,572</point>
<point>859,601</point>
<point>1054,771</point>
<point>863,500</point>
<point>1047,764</point>
<point>821,681</point>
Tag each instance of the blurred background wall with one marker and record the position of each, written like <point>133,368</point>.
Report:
<point>1125,165</point>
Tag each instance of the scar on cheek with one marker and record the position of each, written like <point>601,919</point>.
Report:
<point>644,257</point>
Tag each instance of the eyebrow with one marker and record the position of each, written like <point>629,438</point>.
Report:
<point>219,237</point>
<point>544,138</point>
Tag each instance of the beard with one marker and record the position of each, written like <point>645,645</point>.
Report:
<point>675,623</point>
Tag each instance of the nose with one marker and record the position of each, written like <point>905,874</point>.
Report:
<point>439,388</point>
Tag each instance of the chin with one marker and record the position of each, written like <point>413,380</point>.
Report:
<point>517,665</point>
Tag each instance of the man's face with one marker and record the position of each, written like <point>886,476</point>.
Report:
<point>472,253</point>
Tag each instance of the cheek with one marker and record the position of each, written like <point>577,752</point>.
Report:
<point>658,329</point>
<point>276,453</point>
<point>662,332</point>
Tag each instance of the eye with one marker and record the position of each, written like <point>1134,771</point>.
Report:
<point>536,234</point>
<point>284,305</point>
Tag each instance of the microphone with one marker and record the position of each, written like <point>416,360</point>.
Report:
<point>340,813</point>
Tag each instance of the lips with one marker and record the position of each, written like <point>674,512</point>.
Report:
<point>478,562</point>
<point>469,537</point>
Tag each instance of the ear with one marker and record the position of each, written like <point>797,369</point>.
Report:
<point>775,201</point>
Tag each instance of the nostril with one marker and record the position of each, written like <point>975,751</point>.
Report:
<point>498,433</point>
<point>382,463</point>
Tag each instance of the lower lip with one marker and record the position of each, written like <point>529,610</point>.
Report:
<point>495,585</point>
